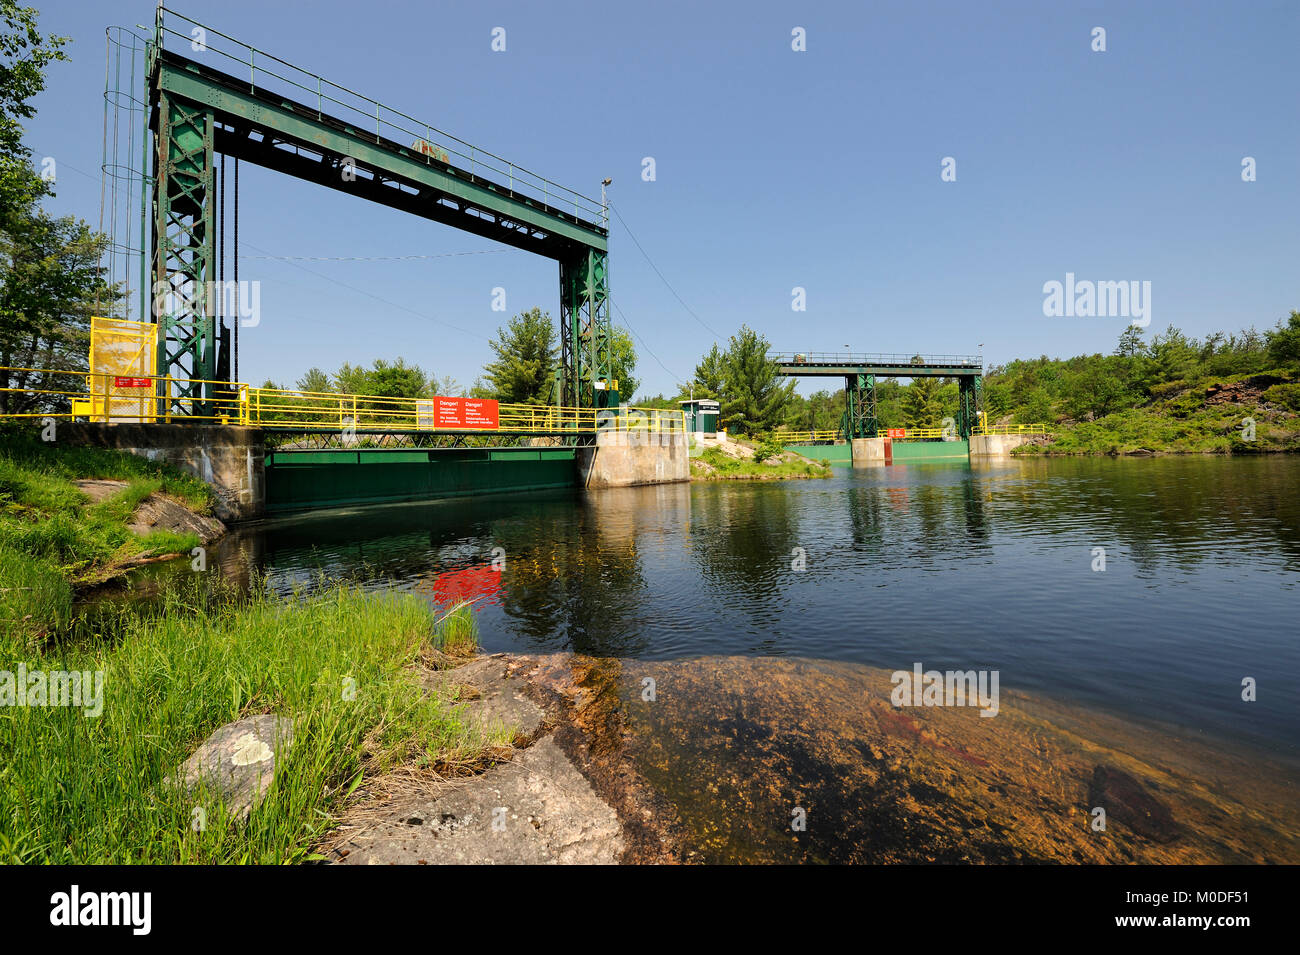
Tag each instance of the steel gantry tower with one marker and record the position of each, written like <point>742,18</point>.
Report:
<point>861,371</point>
<point>211,94</point>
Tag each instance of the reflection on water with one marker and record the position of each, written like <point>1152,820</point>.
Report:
<point>953,566</point>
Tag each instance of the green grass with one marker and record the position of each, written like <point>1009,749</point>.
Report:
<point>729,468</point>
<point>35,597</point>
<point>53,460</point>
<point>75,789</point>
<point>44,515</point>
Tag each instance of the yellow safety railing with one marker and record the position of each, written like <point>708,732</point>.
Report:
<point>1012,429</point>
<point>921,434</point>
<point>154,398</point>
<point>101,396</point>
<point>912,434</point>
<point>273,407</point>
<point>795,437</point>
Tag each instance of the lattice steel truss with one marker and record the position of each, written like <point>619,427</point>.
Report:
<point>184,258</point>
<point>968,404</point>
<point>299,440</point>
<point>860,413</point>
<point>584,328</point>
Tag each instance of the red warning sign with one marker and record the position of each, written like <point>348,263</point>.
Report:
<point>895,433</point>
<point>121,382</point>
<point>466,413</point>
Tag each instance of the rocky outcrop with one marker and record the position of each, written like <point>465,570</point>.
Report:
<point>157,513</point>
<point>785,760</point>
<point>534,806</point>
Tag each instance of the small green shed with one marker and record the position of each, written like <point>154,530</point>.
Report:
<point>701,415</point>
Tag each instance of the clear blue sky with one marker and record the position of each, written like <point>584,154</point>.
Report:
<point>775,169</point>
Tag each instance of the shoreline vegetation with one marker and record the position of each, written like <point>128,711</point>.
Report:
<point>95,782</point>
<point>68,521</point>
<point>85,789</point>
<point>769,461</point>
<point>1249,413</point>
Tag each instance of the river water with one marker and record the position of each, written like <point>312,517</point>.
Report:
<point>955,567</point>
<point>1137,594</point>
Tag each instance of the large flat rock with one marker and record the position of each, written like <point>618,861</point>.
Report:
<point>535,809</point>
<point>493,697</point>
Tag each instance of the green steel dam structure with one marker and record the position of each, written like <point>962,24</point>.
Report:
<point>167,382</point>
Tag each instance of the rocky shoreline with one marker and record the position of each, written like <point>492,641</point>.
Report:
<point>715,760</point>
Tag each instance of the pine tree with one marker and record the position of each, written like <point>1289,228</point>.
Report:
<point>710,374</point>
<point>753,397</point>
<point>314,381</point>
<point>524,369</point>
<point>920,403</point>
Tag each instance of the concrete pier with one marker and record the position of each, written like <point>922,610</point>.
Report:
<point>868,451</point>
<point>628,458</point>
<point>996,445</point>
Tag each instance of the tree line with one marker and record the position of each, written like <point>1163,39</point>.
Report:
<point>1042,390</point>
<point>526,354</point>
<point>51,281</point>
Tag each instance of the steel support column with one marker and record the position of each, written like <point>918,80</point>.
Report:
<point>184,257</point>
<point>584,327</point>
<point>860,412</point>
<point>968,404</point>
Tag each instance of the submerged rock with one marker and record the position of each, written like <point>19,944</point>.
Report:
<point>781,760</point>
<point>1125,799</point>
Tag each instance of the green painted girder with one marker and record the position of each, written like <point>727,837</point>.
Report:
<point>441,192</point>
<point>968,402</point>
<point>297,480</point>
<point>880,370</point>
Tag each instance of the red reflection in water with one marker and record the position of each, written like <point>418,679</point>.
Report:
<point>481,585</point>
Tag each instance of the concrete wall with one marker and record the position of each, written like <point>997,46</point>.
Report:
<point>620,459</point>
<point>996,445</point>
<point>228,458</point>
<point>868,451</point>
